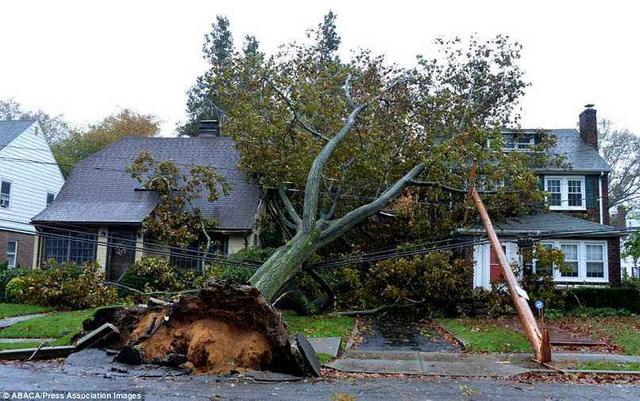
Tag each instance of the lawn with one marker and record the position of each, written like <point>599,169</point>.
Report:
<point>621,334</point>
<point>607,365</point>
<point>11,310</point>
<point>480,335</point>
<point>21,345</point>
<point>61,326</point>
<point>319,325</point>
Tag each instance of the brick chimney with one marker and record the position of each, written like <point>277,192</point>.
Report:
<point>589,126</point>
<point>208,128</point>
<point>621,217</point>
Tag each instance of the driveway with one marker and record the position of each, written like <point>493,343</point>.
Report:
<point>49,376</point>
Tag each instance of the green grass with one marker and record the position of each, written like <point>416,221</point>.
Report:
<point>608,365</point>
<point>324,358</point>
<point>29,344</point>
<point>320,325</point>
<point>59,325</point>
<point>11,310</point>
<point>481,337</point>
<point>623,335</point>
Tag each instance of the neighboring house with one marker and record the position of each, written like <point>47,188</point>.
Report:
<point>631,222</point>
<point>578,219</point>
<point>99,212</point>
<point>29,180</point>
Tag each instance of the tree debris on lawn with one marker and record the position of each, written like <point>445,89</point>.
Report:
<point>225,328</point>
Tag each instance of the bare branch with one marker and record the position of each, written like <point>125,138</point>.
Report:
<point>347,92</point>
<point>311,192</point>
<point>341,225</point>
<point>296,115</point>
<point>291,210</point>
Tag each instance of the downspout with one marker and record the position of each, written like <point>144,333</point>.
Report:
<point>600,197</point>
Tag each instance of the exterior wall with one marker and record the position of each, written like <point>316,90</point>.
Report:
<point>481,255</point>
<point>24,257</point>
<point>238,242</point>
<point>628,266</point>
<point>30,181</point>
<point>613,252</point>
<point>593,182</point>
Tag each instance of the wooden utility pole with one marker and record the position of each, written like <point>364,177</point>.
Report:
<point>518,294</point>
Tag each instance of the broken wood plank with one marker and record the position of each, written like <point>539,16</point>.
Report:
<point>101,333</point>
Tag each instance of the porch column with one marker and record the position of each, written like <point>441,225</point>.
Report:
<point>101,248</point>
<point>139,251</point>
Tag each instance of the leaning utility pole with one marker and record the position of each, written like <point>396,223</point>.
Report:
<point>541,348</point>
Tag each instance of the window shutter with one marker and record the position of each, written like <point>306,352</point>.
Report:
<point>592,192</point>
<point>541,182</point>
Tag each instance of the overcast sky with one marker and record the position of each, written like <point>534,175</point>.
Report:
<point>86,59</point>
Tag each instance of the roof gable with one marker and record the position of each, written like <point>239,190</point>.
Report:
<point>11,129</point>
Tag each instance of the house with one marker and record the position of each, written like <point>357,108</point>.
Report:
<point>577,220</point>
<point>629,220</point>
<point>29,180</point>
<point>99,212</point>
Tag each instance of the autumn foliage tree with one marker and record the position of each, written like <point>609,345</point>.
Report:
<point>338,141</point>
<point>82,143</point>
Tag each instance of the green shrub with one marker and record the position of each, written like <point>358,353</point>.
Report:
<point>437,280</point>
<point>631,282</point>
<point>604,297</point>
<point>6,275</point>
<point>153,274</point>
<point>65,286</point>
<point>233,272</point>
<point>599,312</point>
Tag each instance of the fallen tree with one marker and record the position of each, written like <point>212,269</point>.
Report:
<point>225,328</point>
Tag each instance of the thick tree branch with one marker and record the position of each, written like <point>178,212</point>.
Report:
<point>343,224</point>
<point>311,193</point>
<point>291,210</point>
<point>296,115</point>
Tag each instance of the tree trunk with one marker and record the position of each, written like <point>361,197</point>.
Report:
<point>285,263</point>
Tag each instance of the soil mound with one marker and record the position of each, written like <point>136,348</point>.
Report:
<point>225,328</point>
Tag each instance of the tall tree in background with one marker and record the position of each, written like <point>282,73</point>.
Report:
<point>202,99</point>
<point>621,149</point>
<point>55,128</point>
<point>340,141</point>
<point>326,37</point>
<point>80,144</point>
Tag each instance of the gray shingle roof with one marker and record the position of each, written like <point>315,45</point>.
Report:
<point>99,190</point>
<point>548,224</point>
<point>9,130</point>
<point>580,156</point>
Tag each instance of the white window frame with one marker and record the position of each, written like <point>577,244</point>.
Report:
<point>14,254</point>
<point>564,191</point>
<point>582,261</point>
<point>9,196</point>
<point>519,146</point>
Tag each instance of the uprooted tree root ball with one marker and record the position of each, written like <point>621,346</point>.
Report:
<point>225,328</point>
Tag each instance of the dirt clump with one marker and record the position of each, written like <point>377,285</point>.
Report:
<point>225,328</point>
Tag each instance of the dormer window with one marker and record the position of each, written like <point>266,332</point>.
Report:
<point>522,142</point>
<point>565,192</point>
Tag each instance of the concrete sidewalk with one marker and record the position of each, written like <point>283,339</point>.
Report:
<point>434,363</point>
<point>457,364</point>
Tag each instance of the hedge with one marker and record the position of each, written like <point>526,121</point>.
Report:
<point>604,297</point>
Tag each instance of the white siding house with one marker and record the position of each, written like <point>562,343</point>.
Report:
<point>29,179</point>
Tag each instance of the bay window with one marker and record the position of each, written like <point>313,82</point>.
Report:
<point>565,193</point>
<point>584,261</point>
